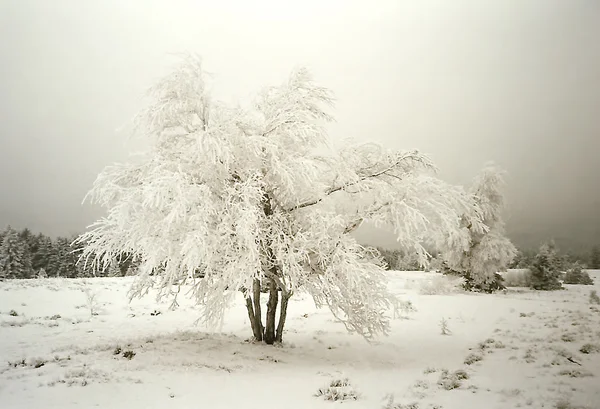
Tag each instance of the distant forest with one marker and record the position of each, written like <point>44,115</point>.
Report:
<point>27,255</point>
<point>24,254</point>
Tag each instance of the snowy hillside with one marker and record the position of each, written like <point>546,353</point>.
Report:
<point>519,349</point>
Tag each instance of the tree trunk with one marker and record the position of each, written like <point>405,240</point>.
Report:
<point>282,316</point>
<point>269,337</point>
<point>257,310</point>
<point>256,326</point>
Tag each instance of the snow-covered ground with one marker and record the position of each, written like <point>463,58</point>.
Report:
<point>523,348</point>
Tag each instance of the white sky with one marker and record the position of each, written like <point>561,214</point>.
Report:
<point>512,81</point>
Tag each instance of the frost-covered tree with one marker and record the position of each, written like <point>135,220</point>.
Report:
<point>545,272</point>
<point>233,198</point>
<point>15,260</point>
<point>490,251</point>
<point>577,275</point>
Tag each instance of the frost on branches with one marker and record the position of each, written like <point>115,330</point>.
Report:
<point>230,199</point>
<point>490,251</point>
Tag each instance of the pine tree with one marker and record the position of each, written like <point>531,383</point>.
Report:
<point>577,275</point>
<point>41,257</point>
<point>595,258</point>
<point>67,259</point>
<point>545,271</point>
<point>52,250</point>
<point>15,261</point>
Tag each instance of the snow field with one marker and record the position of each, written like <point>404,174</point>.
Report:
<point>79,343</point>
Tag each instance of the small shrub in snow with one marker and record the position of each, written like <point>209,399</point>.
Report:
<point>575,373</point>
<point>594,298</point>
<point>590,349</point>
<point>91,299</point>
<point>129,355</point>
<point>429,370</point>
<point>17,363</point>
<point>449,381</point>
<point>37,363</point>
<point>567,338</point>
<point>577,275</point>
<point>404,308</point>
<point>491,343</point>
<point>117,351</point>
<point>529,356</point>
<point>13,313</point>
<point>472,358</point>
<point>444,327</point>
<point>338,390</point>
<point>564,403</point>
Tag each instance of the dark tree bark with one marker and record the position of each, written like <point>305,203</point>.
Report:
<point>285,297</point>
<point>253,323</point>
<point>269,337</point>
<point>257,310</point>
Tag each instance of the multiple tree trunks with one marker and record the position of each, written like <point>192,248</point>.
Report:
<point>272,332</point>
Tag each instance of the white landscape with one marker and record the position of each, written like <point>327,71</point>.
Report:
<point>255,232</point>
<point>523,348</point>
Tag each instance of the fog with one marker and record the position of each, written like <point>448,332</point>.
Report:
<point>467,82</point>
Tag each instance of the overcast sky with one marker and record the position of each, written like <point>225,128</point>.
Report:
<point>517,82</point>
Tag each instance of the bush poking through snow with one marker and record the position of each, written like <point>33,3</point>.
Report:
<point>91,299</point>
<point>564,403</point>
<point>404,308</point>
<point>491,343</point>
<point>450,381</point>
<point>575,373</point>
<point>594,298</point>
<point>444,330</point>
<point>117,351</point>
<point>577,275</point>
<point>567,337</point>
<point>590,349</point>
<point>129,355</point>
<point>17,363</point>
<point>338,390</point>
<point>472,358</point>
<point>13,313</point>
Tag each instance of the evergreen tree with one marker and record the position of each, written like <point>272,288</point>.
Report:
<point>15,261</point>
<point>545,271</point>
<point>40,258</point>
<point>595,258</point>
<point>67,259</point>
<point>577,275</point>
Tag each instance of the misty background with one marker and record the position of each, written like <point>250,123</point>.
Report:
<point>516,82</point>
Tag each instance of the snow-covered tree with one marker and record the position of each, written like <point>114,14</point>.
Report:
<point>490,251</point>
<point>234,198</point>
<point>545,272</point>
<point>42,273</point>
<point>15,260</point>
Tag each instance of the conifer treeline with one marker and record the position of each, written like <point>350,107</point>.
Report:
<point>27,255</point>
